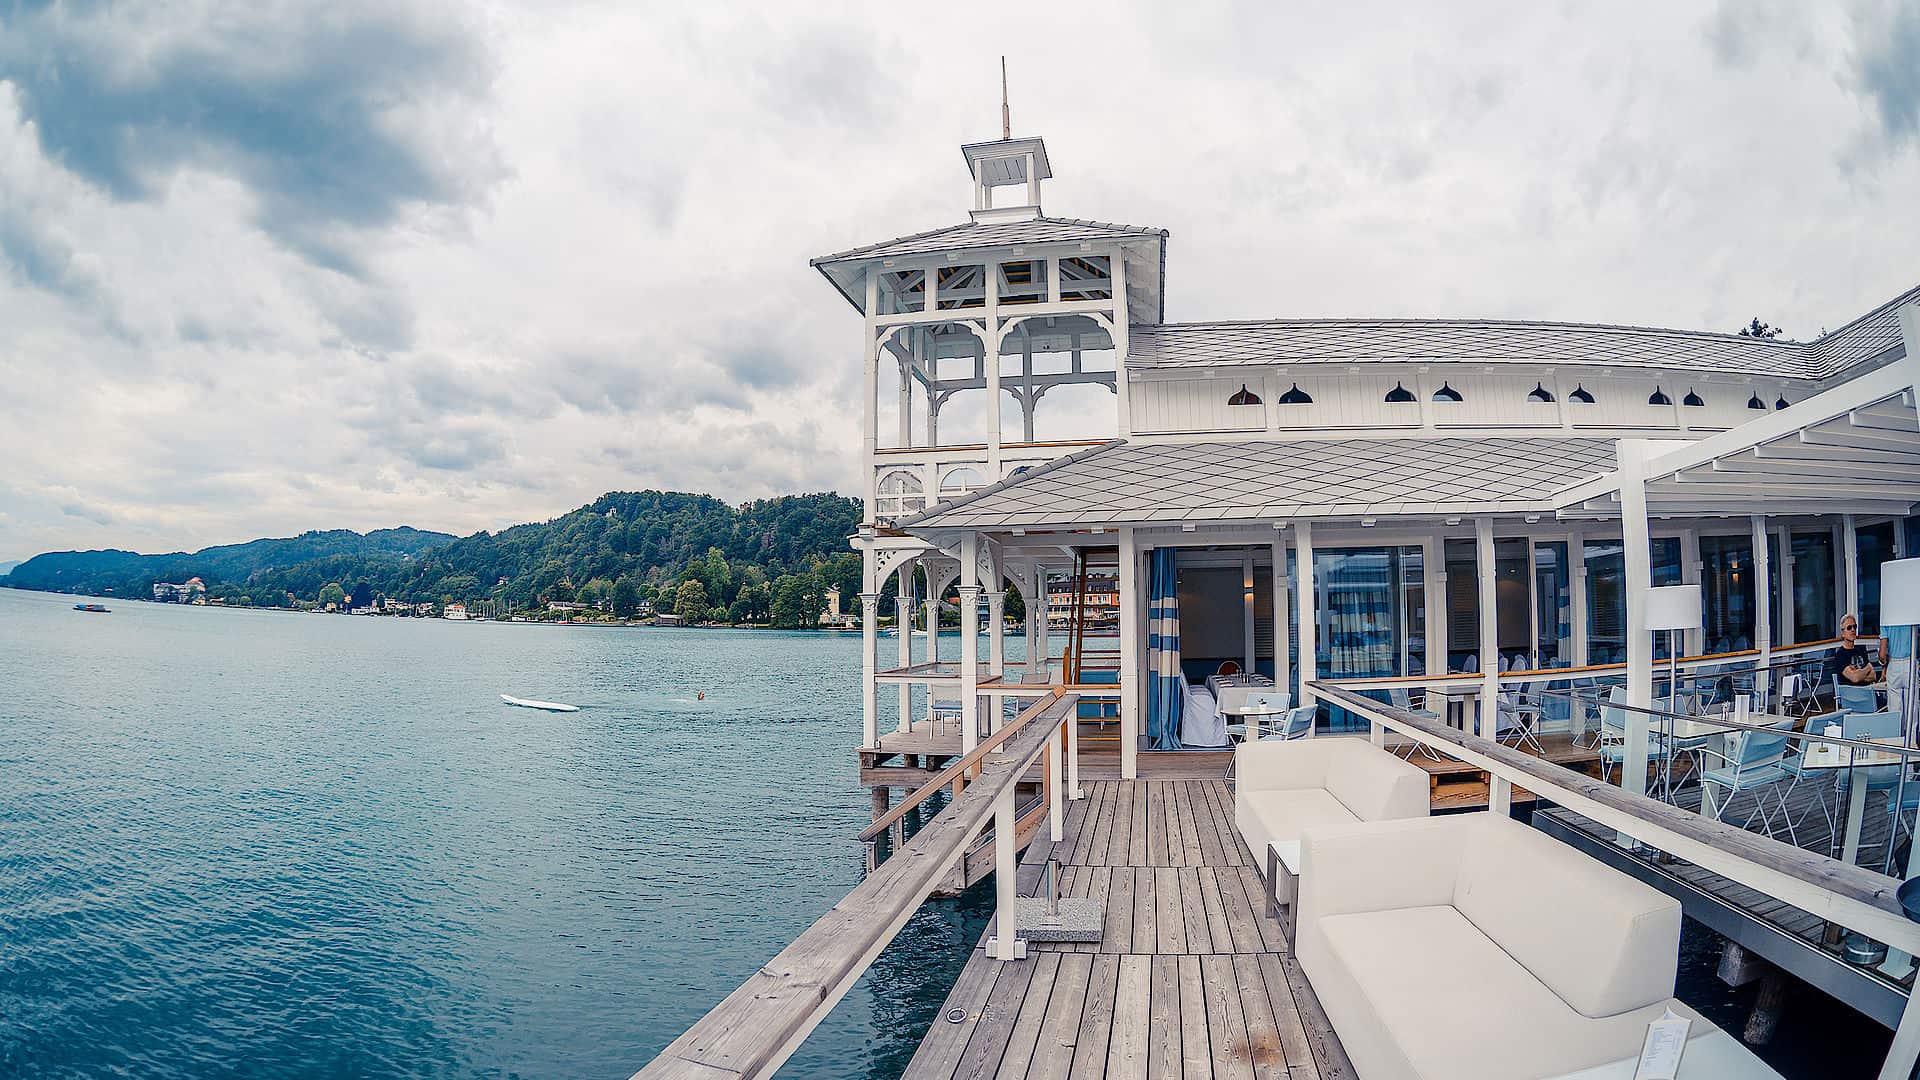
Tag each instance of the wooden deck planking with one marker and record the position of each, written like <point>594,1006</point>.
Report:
<point>1190,976</point>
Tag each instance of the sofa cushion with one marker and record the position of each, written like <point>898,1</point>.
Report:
<point>1601,940</point>
<point>1266,816</point>
<point>1374,784</point>
<point>1421,992</point>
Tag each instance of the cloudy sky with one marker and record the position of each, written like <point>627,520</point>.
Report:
<point>271,266</point>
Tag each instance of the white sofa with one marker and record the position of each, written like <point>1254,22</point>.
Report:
<point>1284,786</point>
<point>1475,947</point>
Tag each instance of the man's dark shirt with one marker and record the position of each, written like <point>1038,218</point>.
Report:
<point>1848,657</point>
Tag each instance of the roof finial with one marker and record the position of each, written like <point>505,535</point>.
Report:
<point>1006,116</point>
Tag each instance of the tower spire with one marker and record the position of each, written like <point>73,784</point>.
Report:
<point>1006,116</point>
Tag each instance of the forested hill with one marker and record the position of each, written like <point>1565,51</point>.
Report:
<point>649,541</point>
<point>125,573</point>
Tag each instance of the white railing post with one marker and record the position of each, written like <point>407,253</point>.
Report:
<point>1057,787</point>
<point>1006,943</point>
<point>1378,733</point>
<point>1500,795</point>
<point>1072,727</point>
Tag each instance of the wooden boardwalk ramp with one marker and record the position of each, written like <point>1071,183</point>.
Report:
<point>1191,977</point>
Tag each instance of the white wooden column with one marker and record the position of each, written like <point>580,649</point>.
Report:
<point>1041,644</point>
<point>869,667</point>
<point>1129,655</point>
<point>903,635</point>
<point>1489,627</point>
<point>991,345</point>
<point>997,632</point>
<point>1306,609</point>
<point>1577,615</point>
<point>1693,641</point>
<point>1282,630</point>
<point>1762,601</point>
<point>1246,610</point>
<point>1121,393</point>
<point>1850,567</point>
<point>1787,621</point>
<point>870,404</point>
<point>969,644</point>
<point>1637,552</point>
<point>1433,566</point>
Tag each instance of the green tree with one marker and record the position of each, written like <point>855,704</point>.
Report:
<point>626,598</point>
<point>798,600</point>
<point>333,594</point>
<point>690,601</point>
<point>1016,605</point>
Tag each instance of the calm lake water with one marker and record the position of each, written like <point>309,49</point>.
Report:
<point>262,844</point>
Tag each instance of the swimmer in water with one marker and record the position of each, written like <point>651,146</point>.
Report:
<point>701,696</point>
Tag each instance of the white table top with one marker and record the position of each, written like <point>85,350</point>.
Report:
<point>1457,687</point>
<point>1253,710</point>
<point>1288,852</point>
<point>1829,756</point>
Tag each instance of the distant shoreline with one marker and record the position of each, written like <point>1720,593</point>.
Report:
<point>610,624</point>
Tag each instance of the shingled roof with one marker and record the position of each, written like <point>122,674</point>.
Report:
<point>1122,483</point>
<point>1040,230</point>
<point>1873,337</point>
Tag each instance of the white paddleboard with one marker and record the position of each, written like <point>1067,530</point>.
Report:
<point>548,706</point>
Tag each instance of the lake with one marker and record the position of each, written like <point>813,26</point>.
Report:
<point>264,844</point>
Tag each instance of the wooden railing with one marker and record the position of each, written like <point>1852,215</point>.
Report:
<point>1839,892</point>
<point>1688,665</point>
<point>753,1032</point>
<point>957,773</point>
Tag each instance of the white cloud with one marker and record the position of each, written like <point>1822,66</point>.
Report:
<point>269,268</point>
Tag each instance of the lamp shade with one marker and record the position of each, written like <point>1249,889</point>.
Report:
<point>1673,607</point>
<point>1900,592</point>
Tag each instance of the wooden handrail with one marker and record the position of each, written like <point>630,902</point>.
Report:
<point>1849,895</point>
<point>954,770</point>
<point>1533,674</point>
<point>757,1027</point>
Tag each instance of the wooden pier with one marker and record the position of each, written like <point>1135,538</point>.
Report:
<point>1191,977</point>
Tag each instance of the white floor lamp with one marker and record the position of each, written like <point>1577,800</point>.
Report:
<point>1671,608</point>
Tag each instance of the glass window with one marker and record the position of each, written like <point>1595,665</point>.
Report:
<point>1513,627</point>
<point>1358,612</point>
<point>1413,607</point>
<point>1726,579</point>
<point>1552,606</point>
<point>1606,602</point>
<point>1874,544</point>
<point>1463,605</point>
<point>1813,576</point>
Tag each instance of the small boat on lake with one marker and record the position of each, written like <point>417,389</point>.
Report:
<point>545,706</point>
<point>100,608</point>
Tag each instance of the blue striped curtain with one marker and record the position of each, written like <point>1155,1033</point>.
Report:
<point>1166,687</point>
